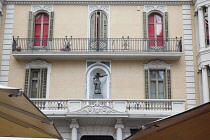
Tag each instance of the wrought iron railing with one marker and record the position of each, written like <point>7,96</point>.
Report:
<point>122,105</point>
<point>97,44</point>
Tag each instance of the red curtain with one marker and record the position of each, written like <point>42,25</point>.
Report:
<point>41,30</point>
<point>155,30</point>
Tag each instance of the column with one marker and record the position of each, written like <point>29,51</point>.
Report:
<point>119,126</point>
<point>209,19</point>
<point>74,125</point>
<point>201,28</point>
<point>205,84</point>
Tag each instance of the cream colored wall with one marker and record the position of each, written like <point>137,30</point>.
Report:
<point>70,20</point>
<point>128,79</point>
<point>175,21</point>
<point>126,21</point>
<point>21,21</point>
<point>67,79</point>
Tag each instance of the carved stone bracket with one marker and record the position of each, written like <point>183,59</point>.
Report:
<point>119,124</point>
<point>48,8</point>
<point>149,8</point>
<point>74,124</point>
<point>97,108</point>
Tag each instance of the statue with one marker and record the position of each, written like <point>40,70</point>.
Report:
<point>97,83</point>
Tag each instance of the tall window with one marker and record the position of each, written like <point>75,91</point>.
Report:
<point>157,80</point>
<point>36,83</point>
<point>155,29</point>
<point>98,30</point>
<point>41,28</point>
<point>157,84</point>
<point>206,26</point>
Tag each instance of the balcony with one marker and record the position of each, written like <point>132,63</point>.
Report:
<point>110,108</point>
<point>95,48</point>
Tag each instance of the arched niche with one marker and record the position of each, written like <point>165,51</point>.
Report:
<point>104,71</point>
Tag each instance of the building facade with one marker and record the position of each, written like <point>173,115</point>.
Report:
<point>102,69</point>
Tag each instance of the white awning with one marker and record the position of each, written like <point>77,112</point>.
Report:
<point>19,117</point>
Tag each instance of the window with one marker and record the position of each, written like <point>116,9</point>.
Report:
<point>36,83</point>
<point>155,30</point>
<point>37,77</point>
<point>41,28</point>
<point>157,84</point>
<point>157,80</point>
<point>98,30</point>
<point>206,26</point>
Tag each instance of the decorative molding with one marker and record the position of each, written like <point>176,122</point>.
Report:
<point>35,8</point>
<point>202,67</point>
<point>38,64</point>
<point>7,43</point>
<point>157,64</point>
<point>119,124</point>
<point>99,2</point>
<point>74,124</point>
<point>189,61</point>
<point>97,108</point>
<point>104,8</point>
<point>150,8</point>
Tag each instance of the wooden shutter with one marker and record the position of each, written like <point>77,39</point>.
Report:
<point>27,81</point>
<point>145,24</point>
<point>30,25</point>
<point>168,84</point>
<point>166,24</point>
<point>146,74</point>
<point>103,26</point>
<point>43,86</point>
<point>93,25</point>
<point>51,26</point>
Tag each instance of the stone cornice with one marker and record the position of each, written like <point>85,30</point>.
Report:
<point>100,2</point>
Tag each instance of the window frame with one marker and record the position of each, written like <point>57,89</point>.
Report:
<point>41,37</point>
<point>158,66</point>
<point>38,65</point>
<point>156,83</point>
<point>205,14</point>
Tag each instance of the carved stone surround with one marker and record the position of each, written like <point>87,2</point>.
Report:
<point>149,8</point>
<point>35,8</point>
<point>97,108</point>
<point>101,2</point>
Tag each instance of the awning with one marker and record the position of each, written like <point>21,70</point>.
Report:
<point>193,124</point>
<point>19,117</point>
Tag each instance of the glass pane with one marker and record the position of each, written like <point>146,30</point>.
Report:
<point>153,90</point>
<point>153,74</point>
<point>38,19</point>
<point>151,19</point>
<point>46,19</point>
<point>35,74</point>
<point>161,74</point>
<point>207,30</point>
<point>161,90</point>
<point>34,89</point>
<point>158,19</point>
<point>159,30</point>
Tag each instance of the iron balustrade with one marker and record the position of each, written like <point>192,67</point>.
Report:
<point>97,44</point>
